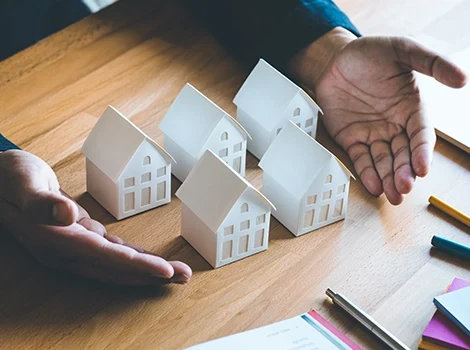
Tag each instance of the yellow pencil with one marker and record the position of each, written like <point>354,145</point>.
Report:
<point>446,208</point>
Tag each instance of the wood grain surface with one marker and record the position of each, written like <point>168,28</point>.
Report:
<point>136,56</point>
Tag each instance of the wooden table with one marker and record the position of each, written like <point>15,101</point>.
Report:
<point>136,57</point>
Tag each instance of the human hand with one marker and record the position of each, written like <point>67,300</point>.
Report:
<point>61,234</point>
<point>373,109</point>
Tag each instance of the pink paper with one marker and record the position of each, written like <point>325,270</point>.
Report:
<point>443,331</point>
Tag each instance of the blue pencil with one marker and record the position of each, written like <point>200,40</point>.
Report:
<point>451,247</point>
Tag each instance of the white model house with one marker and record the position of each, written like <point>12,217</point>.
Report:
<point>127,172</point>
<point>308,185</point>
<point>223,216</point>
<point>194,124</point>
<point>266,101</point>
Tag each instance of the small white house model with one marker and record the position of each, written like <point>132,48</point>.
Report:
<point>194,124</point>
<point>223,216</point>
<point>127,172</point>
<point>308,185</point>
<point>266,101</point>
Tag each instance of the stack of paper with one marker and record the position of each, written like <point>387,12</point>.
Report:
<point>442,332</point>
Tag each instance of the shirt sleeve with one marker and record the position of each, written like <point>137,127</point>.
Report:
<point>6,145</point>
<point>273,29</point>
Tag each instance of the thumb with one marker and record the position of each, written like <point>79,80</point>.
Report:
<point>28,183</point>
<point>421,59</point>
<point>47,207</point>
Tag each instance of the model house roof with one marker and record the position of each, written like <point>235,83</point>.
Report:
<point>113,141</point>
<point>266,94</point>
<point>294,159</point>
<point>212,189</point>
<point>191,119</point>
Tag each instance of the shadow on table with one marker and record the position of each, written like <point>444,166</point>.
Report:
<point>449,258</point>
<point>452,152</point>
<point>179,249</point>
<point>349,326</point>
<point>436,212</point>
<point>96,211</point>
<point>32,295</point>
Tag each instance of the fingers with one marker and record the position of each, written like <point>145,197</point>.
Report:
<point>404,176</point>
<point>419,58</point>
<point>125,266</point>
<point>182,272</point>
<point>29,183</point>
<point>97,227</point>
<point>422,140</point>
<point>116,259</point>
<point>383,161</point>
<point>360,155</point>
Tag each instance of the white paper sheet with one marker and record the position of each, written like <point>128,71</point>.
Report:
<point>299,333</point>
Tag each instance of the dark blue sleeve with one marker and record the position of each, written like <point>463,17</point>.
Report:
<point>273,29</point>
<point>6,145</point>
<point>25,22</point>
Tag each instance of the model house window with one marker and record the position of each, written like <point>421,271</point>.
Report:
<point>296,112</point>
<point>224,136</point>
<point>261,219</point>
<point>338,207</point>
<point>161,171</point>
<point>243,244</point>
<point>329,179</point>
<point>161,190</point>
<point>341,189</point>
<point>244,208</point>
<point>324,213</point>
<point>237,164</point>
<point>227,250</point>
<point>298,124</point>
<point>145,196</point>
<point>311,199</point>
<point>147,160</point>
<point>326,195</point>
<point>259,238</point>
<point>129,201</point>
<point>309,122</point>
<point>223,152</point>
<point>237,147</point>
<point>228,230</point>
<point>145,178</point>
<point>129,182</point>
<point>245,225</point>
<point>308,219</point>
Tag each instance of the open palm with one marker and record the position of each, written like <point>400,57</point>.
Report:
<point>373,110</point>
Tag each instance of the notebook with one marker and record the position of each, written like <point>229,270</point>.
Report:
<point>456,306</point>
<point>443,331</point>
<point>308,331</point>
<point>449,108</point>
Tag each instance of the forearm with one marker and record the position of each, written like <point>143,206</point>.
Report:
<point>273,30</point>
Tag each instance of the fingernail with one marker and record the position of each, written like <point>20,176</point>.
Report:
<point>59,212</point>
<point>180,279</point>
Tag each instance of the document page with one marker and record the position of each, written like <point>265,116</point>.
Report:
<point>299,333</point>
